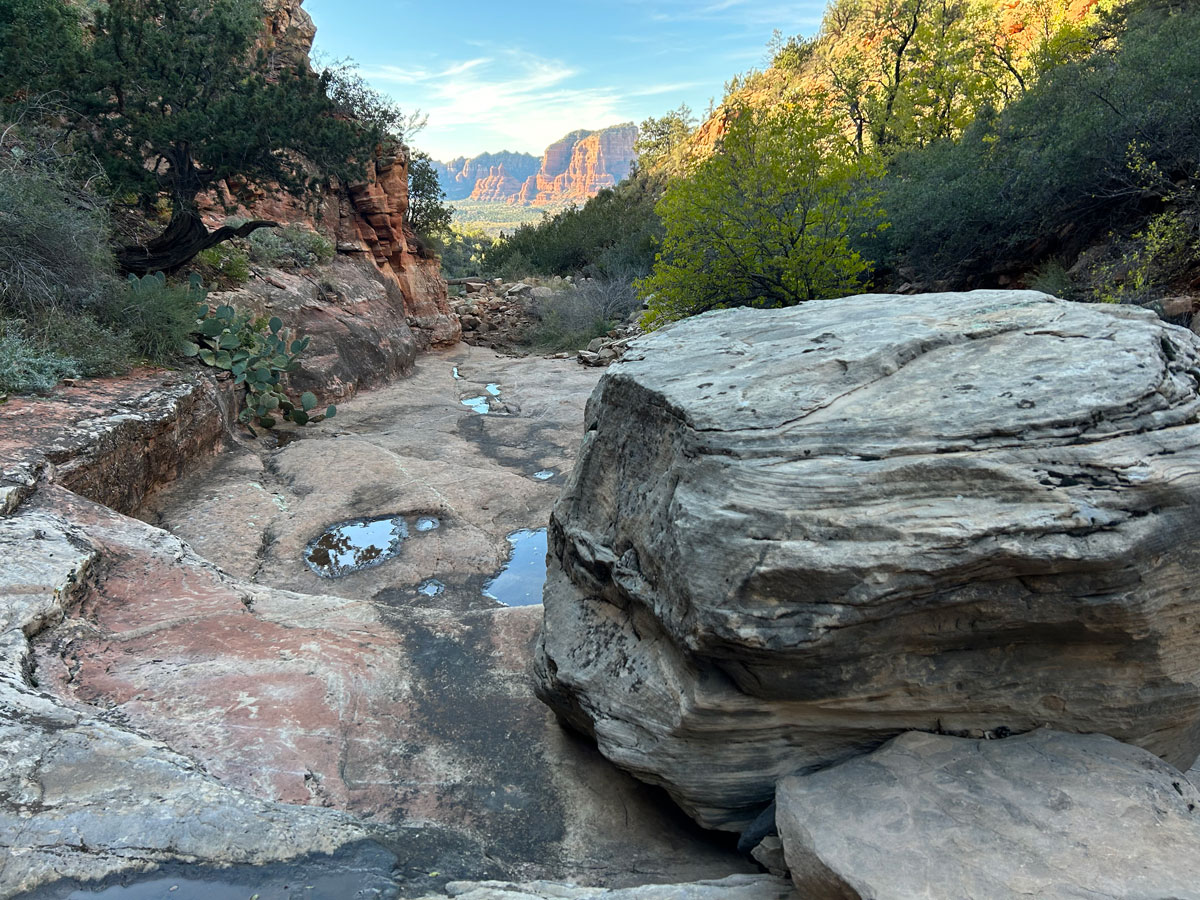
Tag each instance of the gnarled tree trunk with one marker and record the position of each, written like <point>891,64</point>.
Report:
<point>186,234</point>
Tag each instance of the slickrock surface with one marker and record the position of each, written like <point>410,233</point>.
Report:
<point>109,439</point>
<point>791,535</point>
<point>222,680</point>
<point>1045,814</point>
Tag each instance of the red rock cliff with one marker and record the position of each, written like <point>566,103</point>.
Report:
<point>580,165</point>
<point>365,220</point>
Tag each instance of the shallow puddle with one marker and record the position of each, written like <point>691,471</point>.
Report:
<point>356,545</point>
<point>431,588</point>
<point>521,580</point>
<point>493,389</point>
<point>362,544</point>
<point>544,475</point>
<point>477,404</point>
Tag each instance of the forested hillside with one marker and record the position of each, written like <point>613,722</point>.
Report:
<point>918,144</point>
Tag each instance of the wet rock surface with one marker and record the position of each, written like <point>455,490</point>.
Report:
<point>1044,814</point>
<point>791,535</point>
<point>736,887</point>
<point>206,676</point>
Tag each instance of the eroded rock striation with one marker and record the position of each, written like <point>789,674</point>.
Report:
<point>791,535</point>
<point>1044,814</point>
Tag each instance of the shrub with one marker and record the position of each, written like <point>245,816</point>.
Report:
<point>225,266</point>
<point>158,316</point>
<point>570,319</point>
<point>25,368</point>
<point>53,241</point>
<point>618,229</point>
<point>1094,145</point>
<point>94,349</point>
<point>291,245</point>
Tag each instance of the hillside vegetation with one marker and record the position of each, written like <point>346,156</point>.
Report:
<point>918,144</point>
<point>121,126</point>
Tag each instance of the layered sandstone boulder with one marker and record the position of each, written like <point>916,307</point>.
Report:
<point>791,535</point>
<point>1044,814</point>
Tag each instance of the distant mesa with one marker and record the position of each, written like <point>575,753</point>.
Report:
<point>571,170</point>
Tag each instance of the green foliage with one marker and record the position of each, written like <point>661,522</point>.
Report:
<point>93,349</point>
<point>463,253</point>
<point>427,211</point>
<point>289,246</point>
<point>24,367</point>
<point>766,222</point>
<point>354,99</point>
<point>615,232</point>
<point>226,265</point>
<point>157,316</point>
<point>1144,266</point>
<point>53,239</point>
<point>495,217</point>
<point>181,79</point>
<point>1080,154</point>
<point>661,142</point>
<point>39,43</point>
<point>258,360</point>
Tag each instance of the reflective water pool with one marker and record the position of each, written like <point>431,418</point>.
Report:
<point>356,545</point>
<point>521,580</point>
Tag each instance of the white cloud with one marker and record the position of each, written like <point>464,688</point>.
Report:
<point>520,99</point>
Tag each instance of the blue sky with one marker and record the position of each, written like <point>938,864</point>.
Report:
<point>517,75</point>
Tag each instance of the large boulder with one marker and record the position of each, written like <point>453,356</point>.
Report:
<point>791,535</point>
<point>1044,814</point>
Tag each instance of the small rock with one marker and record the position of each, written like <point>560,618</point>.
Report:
<point>595,344</point>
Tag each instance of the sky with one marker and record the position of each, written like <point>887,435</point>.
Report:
<point>519,75</point>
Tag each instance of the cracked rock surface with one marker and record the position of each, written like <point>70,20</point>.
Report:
<point>184,693</point>
<point>791,535</point>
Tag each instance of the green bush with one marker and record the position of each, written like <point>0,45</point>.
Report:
<point>26,368</point>
<point>615,231</point>
<point>1093,146</point>
<point>53,240</point>
<point>290,246</point>
<point>93,348</point>
<point>159,317</point>
<point>225,266</point>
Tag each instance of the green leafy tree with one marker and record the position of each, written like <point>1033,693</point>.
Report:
<point>428,214</point>
<point>765,222</point>
<point>40,44</point>
<point>660,141</point>
<point>176,97</point>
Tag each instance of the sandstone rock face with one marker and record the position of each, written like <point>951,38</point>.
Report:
<point>1045,814</point>
<point>461,177</point>
<point>355,315</point>
<point>791,535</point>
<point>571,170</point>
<point>580,165</point>
<point>498,184</point>
<point>365,220</point>
<point>84,435</point>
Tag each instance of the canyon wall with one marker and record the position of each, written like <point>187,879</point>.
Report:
<point>366,221</point>
<point>463,177</point>
<point>571,170</point>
